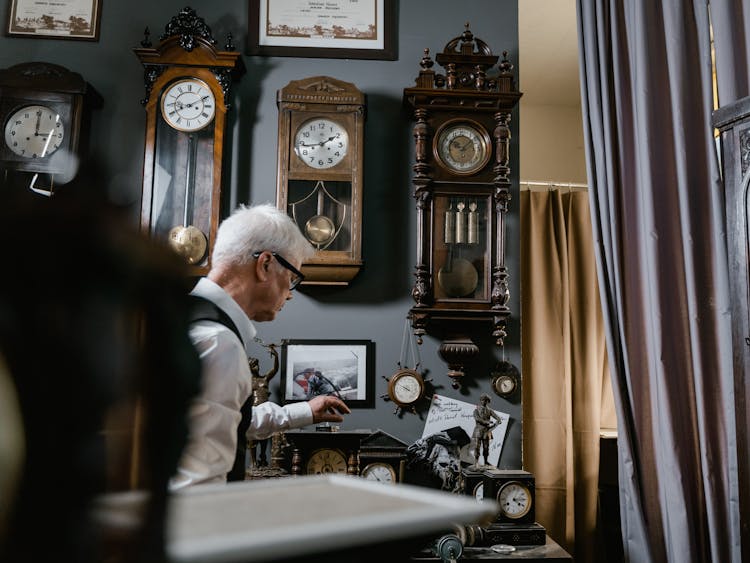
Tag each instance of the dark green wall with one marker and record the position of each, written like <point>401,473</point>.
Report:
<point>375,304</point>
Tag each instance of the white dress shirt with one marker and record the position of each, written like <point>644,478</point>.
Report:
<point>227,382</point>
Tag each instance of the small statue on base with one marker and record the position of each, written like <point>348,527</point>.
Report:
<point>480,439</point>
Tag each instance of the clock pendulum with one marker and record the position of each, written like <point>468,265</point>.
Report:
<point>186,239</point>
<point>458,277</point>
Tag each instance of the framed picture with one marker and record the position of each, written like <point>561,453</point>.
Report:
<point>343,368</point>
<point>61,19</point>
<point>339,29</point>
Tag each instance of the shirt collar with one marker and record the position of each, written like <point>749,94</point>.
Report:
<point>215,293</point>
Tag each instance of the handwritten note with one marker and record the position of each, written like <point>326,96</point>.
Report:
<point>446,413</point>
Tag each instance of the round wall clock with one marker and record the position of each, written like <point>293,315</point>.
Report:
<point>34,131</point>
<point>462,146</point>
<point>406,387</point>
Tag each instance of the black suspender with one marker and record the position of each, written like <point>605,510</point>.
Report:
<point>202,309</point>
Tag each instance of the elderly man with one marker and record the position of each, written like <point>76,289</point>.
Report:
<point>254,271</point>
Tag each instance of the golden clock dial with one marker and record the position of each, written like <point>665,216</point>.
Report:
<point>188,105</point>
<point>34,131</point>
<point>462,147</point>
<point>326,460</point>
<point>321,143</point>
<point>515,499</point>
<point>379,471</point>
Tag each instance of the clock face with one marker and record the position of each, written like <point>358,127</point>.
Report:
<point>462,147</point>
<point>505,385</point>
<point>479,491</point>
<point>321,143</point>
<point>406,387</point>
<point>326,460</point>
<point>379,471</point>
<point>188,105</point>
<point>515,499</point>
<point>34,132</point>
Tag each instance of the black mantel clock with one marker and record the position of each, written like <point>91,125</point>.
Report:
<point>187,83</point>
<point>462,187</point>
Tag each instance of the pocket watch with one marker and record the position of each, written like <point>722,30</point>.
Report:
<point>514,498</point>
<point>379,471</point>
<point>321,143</point>
<point>462,146</point>
<point>326,460</point>
<point>188,104</point>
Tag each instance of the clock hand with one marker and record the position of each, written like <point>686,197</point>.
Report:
<point>38,119</point>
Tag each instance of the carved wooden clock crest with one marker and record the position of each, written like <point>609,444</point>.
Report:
<point>462,189</point>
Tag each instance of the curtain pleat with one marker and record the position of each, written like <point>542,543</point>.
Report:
<point>657,216</point>
<point>564,366</point>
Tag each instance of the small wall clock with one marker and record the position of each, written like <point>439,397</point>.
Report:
<point>320,173</point>
<point>187,83</point>
<point>41,114</point>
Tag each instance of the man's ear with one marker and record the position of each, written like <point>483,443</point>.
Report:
<point>262,266</point>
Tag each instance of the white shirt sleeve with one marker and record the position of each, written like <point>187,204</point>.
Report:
<point>269,418</point>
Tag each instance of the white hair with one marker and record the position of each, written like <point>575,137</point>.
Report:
<point>258,228</point>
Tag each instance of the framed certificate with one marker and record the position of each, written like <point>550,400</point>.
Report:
<point>61,19</point>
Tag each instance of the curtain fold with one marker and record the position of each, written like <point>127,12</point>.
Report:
<point>564,366</point>
<point>657,215</point>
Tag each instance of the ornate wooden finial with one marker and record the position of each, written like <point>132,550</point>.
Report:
<point>188,25</point>
<point>426,62</point>
<point>146,42</point>
<point>229,45</point>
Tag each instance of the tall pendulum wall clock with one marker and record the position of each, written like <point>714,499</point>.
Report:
<point>41,112</point>
<point>187,83</point>
<point>320,172</point>
<point>462,187</point>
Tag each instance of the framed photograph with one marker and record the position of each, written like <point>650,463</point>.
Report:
<point>343,368</point>
<point>338,29</point>
<point>61,19</point>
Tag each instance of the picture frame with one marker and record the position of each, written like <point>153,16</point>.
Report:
<point>343,368</point>
<point>62,19</point>
<point>335,29</point>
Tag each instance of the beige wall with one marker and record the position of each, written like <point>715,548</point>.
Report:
<point>551,144</point>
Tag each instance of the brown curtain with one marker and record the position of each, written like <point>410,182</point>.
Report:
<point>566,388</point>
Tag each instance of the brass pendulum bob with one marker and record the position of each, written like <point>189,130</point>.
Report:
<point>188,240</point>
<point>319,229</point>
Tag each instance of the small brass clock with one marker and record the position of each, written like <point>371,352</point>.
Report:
<point>320,173</point>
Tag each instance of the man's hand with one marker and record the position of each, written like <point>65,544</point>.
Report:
<point>327,408</point>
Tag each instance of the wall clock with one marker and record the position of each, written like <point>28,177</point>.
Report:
<point>320,173</point>
<point>505,379</point>
<point>462,187</point>
<point>187,98</point>
<point>41,112</point>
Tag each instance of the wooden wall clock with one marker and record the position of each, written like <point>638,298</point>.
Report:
<point>320,173</point>
<point>187,83</point>
<point>41,112</point>
<point>462,187</point>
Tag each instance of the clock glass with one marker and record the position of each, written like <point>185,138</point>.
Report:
<point>379,471</point>
<point>321,143</point>
<point>188,104</point>
<point>515,499</point>
<point>463,147</point>
<point>479,491</point>
<point>34,131</point>
<point>326,460</point>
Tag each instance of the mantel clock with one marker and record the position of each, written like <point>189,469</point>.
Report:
<point>320,173</point>
<point>187,83</point>
<point>462,187</point>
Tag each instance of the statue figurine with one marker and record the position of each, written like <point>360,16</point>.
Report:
<point>480,439</point>
<point>260,395</point>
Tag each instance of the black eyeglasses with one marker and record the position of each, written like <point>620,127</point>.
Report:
<point>297,276</point>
